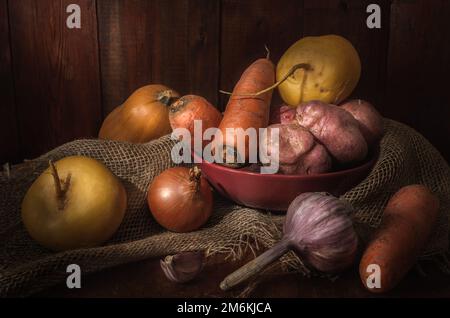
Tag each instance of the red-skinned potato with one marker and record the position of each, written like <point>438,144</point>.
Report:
<point>335,128</point>
<point>370,120</point>
<point>297,149</point>
<point>317,160</point>
<point>283,114</point>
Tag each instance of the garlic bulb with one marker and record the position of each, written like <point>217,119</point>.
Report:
<point>183,267</point>
<point>318,228</point>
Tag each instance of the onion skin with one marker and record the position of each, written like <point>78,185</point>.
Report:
<point>179,202</point>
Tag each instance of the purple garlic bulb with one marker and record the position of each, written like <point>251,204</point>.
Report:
<point>318,228</point>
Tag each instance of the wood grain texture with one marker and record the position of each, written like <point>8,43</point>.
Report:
<point>50,75</point>
<point>9,139</point>
<point>247,26</point>
<point>56,73</point>
<point>348,18</point>
<point>158,41</point>
<point>203,48</point>
<point>146,279</point>
<point>418,69</point>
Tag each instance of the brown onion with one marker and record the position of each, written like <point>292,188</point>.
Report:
<point>180,199</point>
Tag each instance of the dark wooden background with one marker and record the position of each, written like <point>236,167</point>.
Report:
<point>57,84</point>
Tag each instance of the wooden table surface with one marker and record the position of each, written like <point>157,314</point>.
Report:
<point>145,279</point>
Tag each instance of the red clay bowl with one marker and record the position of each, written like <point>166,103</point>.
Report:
<point>276,191</point>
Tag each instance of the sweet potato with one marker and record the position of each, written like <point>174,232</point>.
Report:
<point>408,220</point>
<point>370,120</point>
<point>317,160</point>
<point>283,114</point>
<point>335,128</point>
<point>297,150</point>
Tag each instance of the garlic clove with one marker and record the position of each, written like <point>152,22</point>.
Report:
<point>183,267</point>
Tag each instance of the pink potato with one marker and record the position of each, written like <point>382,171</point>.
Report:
<point>297,149</point>
<point>317,160</point>
<point>282,114</point>
<point>335,128</point>
<point>370,120</point>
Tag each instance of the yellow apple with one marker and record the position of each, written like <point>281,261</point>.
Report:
<point>77,202</point>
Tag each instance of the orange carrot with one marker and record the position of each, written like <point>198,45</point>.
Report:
<point>408,220</point>
<point>246,111</point>
<point>185,110</point>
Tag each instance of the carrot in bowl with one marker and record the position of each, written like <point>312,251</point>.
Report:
<point>248,107</point>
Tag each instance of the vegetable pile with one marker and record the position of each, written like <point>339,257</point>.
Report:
<point>346,132</point>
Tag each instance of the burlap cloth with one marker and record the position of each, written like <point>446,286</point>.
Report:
<point>406,157</point>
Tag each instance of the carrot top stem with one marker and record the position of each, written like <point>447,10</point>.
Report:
<point>304,66</point>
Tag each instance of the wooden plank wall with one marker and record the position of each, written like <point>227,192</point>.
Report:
<point>9,141</point>
<point>56,74</point>
<point>58,83</point>
<point>167,41</point>
<point>247,27</point>
<point>417,83</point>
